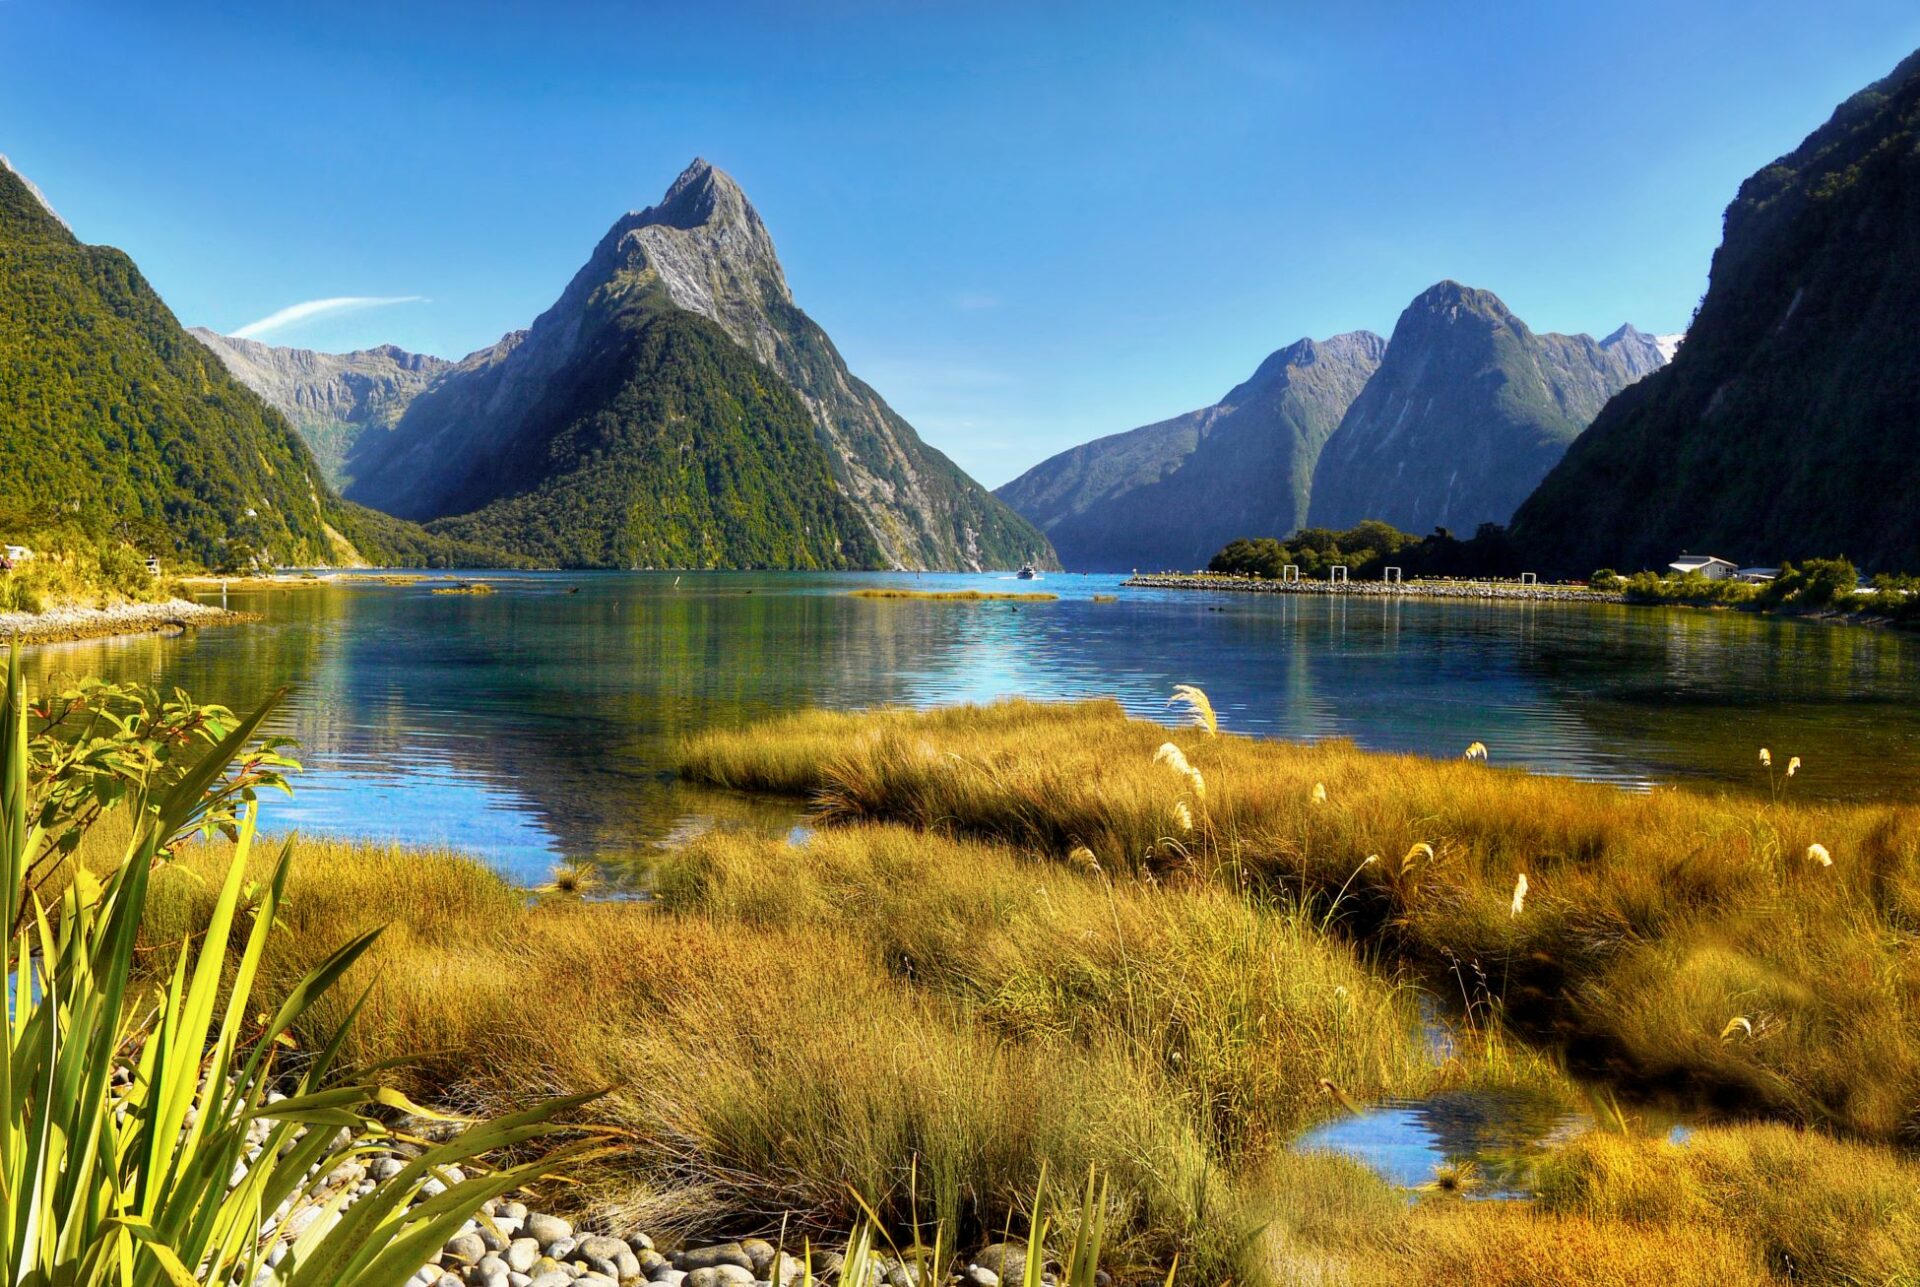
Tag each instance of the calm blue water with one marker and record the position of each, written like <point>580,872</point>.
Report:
<point>539,723</point>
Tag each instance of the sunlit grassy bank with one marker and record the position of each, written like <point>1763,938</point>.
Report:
<point>1757,958</point>
<point>880,1008</point>
<point>789,1022</point>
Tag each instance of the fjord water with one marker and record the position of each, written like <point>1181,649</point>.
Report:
<point>540,722</point>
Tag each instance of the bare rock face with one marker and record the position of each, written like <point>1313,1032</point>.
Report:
<point>1170,495</point>
<point>704,250</point>
<point>1468,412</point>
<point>331,398</point>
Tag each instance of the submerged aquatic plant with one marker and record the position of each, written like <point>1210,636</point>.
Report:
<point>573,878</point>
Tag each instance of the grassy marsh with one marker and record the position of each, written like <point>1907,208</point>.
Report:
<point>1681,944</point>
<point>879,1004</point>
<point>789,1021</point>
<point>1010,950</point>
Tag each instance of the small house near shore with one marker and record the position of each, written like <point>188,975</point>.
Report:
<point>1757,576</point>
<point>16,553</point>
<point>1708,566</point>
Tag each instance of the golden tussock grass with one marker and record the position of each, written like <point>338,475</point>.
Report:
<point>789,1023</point>
<point>1646,922</point>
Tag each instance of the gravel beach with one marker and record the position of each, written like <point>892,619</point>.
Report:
<point>57,625</point>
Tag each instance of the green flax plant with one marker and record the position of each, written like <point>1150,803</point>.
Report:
<point>165,1136</point>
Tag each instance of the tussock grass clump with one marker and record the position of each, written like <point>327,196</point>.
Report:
<point>957,596</point>
<point>789,1025</point>
<point>1646,924</point>
<point>1811,1206</point>
<point>900,1013</point>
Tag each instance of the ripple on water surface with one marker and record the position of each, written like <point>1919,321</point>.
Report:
<point>539,723</point>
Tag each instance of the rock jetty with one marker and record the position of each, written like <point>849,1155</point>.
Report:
<point>57,625</point>
<point>1513,590</point>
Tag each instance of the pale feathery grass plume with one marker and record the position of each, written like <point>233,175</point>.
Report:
<point>1793,766</point>
<point>1319,793</point>
<point>1766,758</point>
<point>1476,753</point>
<point>1081,856</point>
<point>1415,850</point>
<point>1519,894</point>
<point>1199,709</point>
<point>1182,816</point>
<point>1175,759</point>
<point>1172,756</point>
<point>1818,853</point>
<point>1739,1023</point>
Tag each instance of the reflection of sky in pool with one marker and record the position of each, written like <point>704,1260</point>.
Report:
<point>1408,1141</point>
<point>443,809</point>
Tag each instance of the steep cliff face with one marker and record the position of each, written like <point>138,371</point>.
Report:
<point>1467,413</point>
<point>704,251</point>
<point>1788,425</point>
<point>1169,495</point>
<point>331,398</point>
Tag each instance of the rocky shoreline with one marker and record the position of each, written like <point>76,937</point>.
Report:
<point>1379,589</point>
<point>69,623</point>
<point>510,1245</point>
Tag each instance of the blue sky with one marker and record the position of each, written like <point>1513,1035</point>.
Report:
<point>1027,225</point>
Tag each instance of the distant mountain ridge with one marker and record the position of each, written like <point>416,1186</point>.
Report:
<point>1788,425</point>
<point>477,436</point>
<point>109,408</point>
<point>1448,424</point>
<point>1171,494</point>
<point>331,398</point>
<point>1468,412</point>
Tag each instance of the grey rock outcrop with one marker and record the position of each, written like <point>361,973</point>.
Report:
<point>331,398</point>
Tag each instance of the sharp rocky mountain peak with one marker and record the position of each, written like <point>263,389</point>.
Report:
<point>486,430</point>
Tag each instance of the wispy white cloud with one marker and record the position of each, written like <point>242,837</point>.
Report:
<point>975,301</point>
<point>310,309</point>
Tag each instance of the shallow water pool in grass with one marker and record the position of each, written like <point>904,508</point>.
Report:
<point>1500,1134</point>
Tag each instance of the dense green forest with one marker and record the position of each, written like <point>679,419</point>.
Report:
<point>1788,425</point>
<point>1367,548</point>
<point>665,445</point>
<point>115,419</point>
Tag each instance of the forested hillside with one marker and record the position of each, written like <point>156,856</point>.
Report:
<point>111,413</point>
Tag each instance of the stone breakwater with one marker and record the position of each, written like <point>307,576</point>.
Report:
<point>1512,590</point>
<point>57,625</point>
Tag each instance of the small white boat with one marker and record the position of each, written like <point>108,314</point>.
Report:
<point>1028,572</point>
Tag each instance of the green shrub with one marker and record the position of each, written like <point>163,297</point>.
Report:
<point>131,1116</point>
